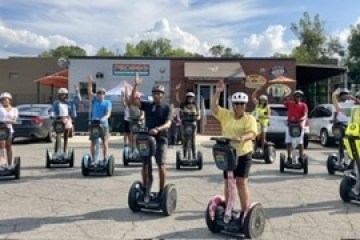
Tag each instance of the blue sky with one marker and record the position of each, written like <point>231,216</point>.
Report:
<point>255,28</point>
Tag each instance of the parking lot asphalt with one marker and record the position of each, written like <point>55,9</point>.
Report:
<point>59,203</point>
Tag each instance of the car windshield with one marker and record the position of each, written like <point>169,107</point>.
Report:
<point>279,111</point>
<point>31,110</point>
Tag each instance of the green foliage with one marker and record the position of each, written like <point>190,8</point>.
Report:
<point>281,55</point>
<point>353,60</point>
<point>224,52</point>
<point>64,51</point>
<point>312,38</point>
<point>103,52</point>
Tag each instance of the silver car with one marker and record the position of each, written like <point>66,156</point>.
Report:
<point>321,120</point>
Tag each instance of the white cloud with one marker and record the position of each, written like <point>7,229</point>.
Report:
<point>267,43</point>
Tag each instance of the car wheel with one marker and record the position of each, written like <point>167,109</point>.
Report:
<point>324,137</point>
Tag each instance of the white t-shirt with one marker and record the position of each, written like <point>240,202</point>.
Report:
<point>63,110</point>
<point>345,116</point>
<point>8,115</point>
<point>127,113</point>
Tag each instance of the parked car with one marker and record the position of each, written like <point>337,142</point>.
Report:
<point>34,122</point>
<point>321,120</point>
<point>278,124</point>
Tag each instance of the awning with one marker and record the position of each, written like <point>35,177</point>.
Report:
<point>57,80</point>
<point>213,70</point>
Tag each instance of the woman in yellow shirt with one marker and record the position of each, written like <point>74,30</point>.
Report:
<point>242,128</point>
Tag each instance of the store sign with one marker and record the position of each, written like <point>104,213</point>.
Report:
<point>254,81</point>
<point>131,69</point>
<point>277,91</point>
<point>278,71</point>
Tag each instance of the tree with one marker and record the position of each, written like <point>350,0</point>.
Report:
<point>103,52</point>
<point>224,52</point>
<point>353,59</point>
<point>281,55</point>
<point>64,51</point>
<point>312,38</point>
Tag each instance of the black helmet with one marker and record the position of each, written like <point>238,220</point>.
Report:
<point>158,88</point>
<point>344,91</point>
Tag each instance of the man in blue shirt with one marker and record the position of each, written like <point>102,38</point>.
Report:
<point>101,110</point>
<point>66,109</point>
<point>158,117</point>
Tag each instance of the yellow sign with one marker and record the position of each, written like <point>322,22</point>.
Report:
<point>254,81</point>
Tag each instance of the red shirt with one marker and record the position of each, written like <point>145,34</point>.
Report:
<point>295,110</point>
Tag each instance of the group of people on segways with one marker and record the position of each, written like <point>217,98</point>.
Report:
<point>8,117</point>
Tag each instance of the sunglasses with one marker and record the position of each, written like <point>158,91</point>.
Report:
<point>239,103</point>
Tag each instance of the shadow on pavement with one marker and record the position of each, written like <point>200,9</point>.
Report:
<point>116,214</point>
<point>198,233</point>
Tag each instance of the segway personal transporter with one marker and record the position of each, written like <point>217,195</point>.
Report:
<point>297,161</point>
<point>337,162</point>
<point>58,156</point>
<point>140,196</point>
<point>350,184</point>
<point>189,127</point>
<point>128,154</point>
<point>268,152</point>
<point>97,165</point>
<point>5,169</point>
<point>220,215</point>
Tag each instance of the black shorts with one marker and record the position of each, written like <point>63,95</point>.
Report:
<point>243,166</point>
<point>161,152</point>
<point>126,126</point>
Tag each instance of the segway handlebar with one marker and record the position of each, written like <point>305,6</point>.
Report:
<point>223,140</point>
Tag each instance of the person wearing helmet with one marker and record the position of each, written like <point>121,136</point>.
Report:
<point>131,113</point>
<point>158,117</point>
<point>8,116</point>
<point>297,112</point>
<point>343,102</point>
<point>262,112</point>
<point>66,109</point>
<point>100,110</point>
<point>188,107</point>
<point>242,128</point>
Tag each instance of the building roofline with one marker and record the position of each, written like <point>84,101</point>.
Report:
<point>181,58</point>
<point>325,66</point>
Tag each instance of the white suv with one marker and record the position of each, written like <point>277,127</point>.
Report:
<point>278,124</point>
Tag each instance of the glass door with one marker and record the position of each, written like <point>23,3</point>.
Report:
<point>205,92</point>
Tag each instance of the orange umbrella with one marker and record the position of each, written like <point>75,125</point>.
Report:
<point>57,80</point>
<point>282,80</point>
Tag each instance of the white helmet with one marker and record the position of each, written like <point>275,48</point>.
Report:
<point>63,91</point>
<point>190,94</point>
<point>5,95</point>
<point>263,97</point>
<point>239,97</point>
<point>299,92</point>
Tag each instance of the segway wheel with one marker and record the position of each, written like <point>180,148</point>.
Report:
<point>48,160</point>
<point>305,164</point>
<point>133,197</point>
<point>84,169</point>
<point>17,167</point>
<point>110,166</point>
<point>254,222</point>
<point>125,158</point>
<point>212,224</point>
<point>72,158</point>
<point>346,186</point>
<point>330,164</point>
<point>282,162</point>
<point>200,160</point>
<point>169,200</point>
<point>269,154</point>
<point>178,157</point>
